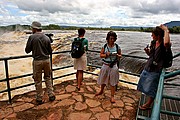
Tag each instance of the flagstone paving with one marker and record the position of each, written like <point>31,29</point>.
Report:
<point>71,104</point>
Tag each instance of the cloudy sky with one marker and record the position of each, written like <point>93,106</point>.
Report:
<point>93,13</point>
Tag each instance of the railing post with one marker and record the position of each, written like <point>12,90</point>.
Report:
<point>155,115</point>
<point>7,79</point>
<point>51,68</point>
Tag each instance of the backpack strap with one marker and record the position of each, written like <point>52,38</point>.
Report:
<point>116,47</point>
<point>105,45</point>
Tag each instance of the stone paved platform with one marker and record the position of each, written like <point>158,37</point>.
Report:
<point>71,104</point>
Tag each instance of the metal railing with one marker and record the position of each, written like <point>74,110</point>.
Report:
<point>155,115</point>
<point>157,104</point>
<point>7,78</point>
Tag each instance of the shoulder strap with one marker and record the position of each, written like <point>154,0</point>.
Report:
<point>116,47</point>
<point>105,45</point>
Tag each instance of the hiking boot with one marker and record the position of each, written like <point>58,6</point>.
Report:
<point>52,98</point>
<point>39,102</point>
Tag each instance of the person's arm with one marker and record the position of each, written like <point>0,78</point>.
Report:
<point>28,48</point>
<point>166,35</point>
<point>103,54</point>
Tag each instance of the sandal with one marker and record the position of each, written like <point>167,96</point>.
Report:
<point>144,107</point>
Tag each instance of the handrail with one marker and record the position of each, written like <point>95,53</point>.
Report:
<point>172,74</point>
<point>176,55</point>
<point>8,79</point>
<point>157,103</point>
<point>124,55</point>
<point>155,115</point>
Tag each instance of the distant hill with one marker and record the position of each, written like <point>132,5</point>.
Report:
<point>125,27</point>
<point>169,24</point>
<point>172,24</point>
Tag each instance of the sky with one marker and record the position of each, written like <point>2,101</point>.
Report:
<point>90,13</point>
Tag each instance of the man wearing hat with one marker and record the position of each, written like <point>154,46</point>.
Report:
<point>40,45</point>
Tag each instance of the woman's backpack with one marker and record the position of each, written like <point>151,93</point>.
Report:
<point>168,58</point>
<point>77,50</point>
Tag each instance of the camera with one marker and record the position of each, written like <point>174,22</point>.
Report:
<point>112,63</point>
<point>50,36</point>
<point>114,53</point>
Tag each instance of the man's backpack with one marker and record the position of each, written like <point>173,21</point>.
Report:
<point>168,58</point>
<point>117,52</point>
<point>77,50</point>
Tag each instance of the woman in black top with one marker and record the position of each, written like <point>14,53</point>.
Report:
<point>149,78</point>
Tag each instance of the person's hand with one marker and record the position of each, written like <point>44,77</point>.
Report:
<point>163,27</point>
<point>108,54</point>
<point>119,56</point>
<point>146,49</point>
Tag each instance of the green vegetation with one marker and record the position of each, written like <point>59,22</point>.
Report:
<point>175,29</point>
<point>18,27</point>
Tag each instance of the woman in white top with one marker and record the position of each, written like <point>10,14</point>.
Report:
<point>109,73</point>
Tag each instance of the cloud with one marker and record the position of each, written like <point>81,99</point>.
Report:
<point>100,13</point>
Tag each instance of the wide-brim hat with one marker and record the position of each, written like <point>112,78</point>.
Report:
<point>36,25</point>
